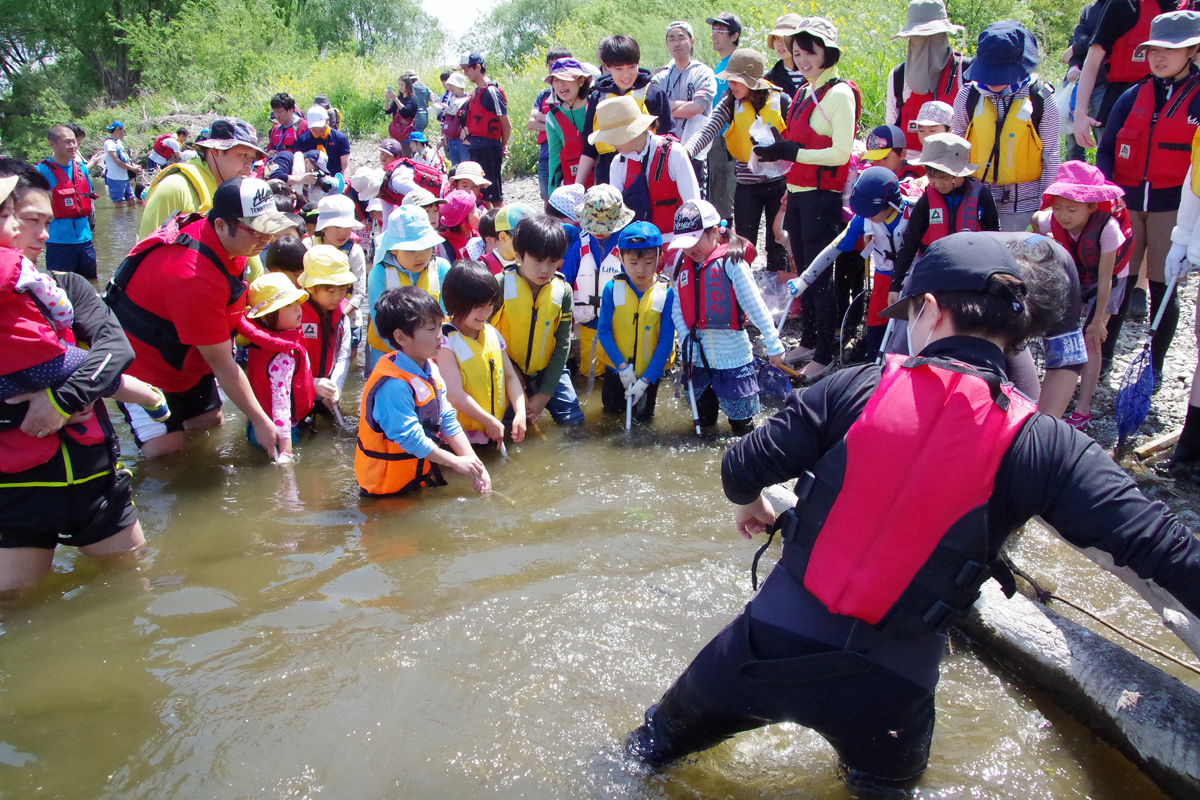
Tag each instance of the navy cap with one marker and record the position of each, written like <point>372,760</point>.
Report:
<point>727,18</point>
<point>960,262</point>
<point>639,236</point>
<point>877,188</point>
<point>470,60</point>
<point>1006,54</point>
<point>883,140</point>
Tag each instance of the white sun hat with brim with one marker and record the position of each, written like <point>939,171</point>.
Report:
<point>337,210</point>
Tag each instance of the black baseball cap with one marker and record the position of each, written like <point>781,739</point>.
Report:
<point>728,19</point>
<point>960,262</point>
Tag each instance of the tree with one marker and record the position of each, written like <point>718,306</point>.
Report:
<point>371,25</point>
<point>516,28</point>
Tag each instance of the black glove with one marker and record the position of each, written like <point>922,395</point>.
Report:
<point>780,150</point>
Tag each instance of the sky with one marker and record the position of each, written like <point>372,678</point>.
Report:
<point>457,16</point>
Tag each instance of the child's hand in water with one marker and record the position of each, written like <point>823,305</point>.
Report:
<point>482,484</point>
<point>494,429</point>
<point>518,429</point>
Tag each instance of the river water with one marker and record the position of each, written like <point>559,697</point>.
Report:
<point>278,637</point>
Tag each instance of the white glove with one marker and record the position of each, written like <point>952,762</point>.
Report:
<point>627,375</point>
<point>635,392</point>
<point>1177,264</point>
<point>796,286</point>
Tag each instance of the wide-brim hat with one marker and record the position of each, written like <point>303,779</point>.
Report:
<point>927,18</point>
<point>367,182</point>
<point>325,265</point>
<point>787,25</point>
<point>1083,183</point>
<point>822,29</point>
<point>226,133</point>
<point>603,211</point>
<point>470,171</point>
<point>1006,54</point>
<point>567,69</point>
<point>408,228</point>
<point>966,261</point>
<point>746,66</point>
<point>457,80</point>
<point>272,292</point>
<point>619,120</point>
<point>337,210</point>
<point>1175,29</point>
<point>947,152</point>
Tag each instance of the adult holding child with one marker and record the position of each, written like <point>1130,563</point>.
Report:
<point>821,125</point>
<point>931,71</point>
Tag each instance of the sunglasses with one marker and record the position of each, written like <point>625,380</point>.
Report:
<point>259,235</point>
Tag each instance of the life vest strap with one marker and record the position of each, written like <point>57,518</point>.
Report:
<point>992,380</point>
<point>379,455</point>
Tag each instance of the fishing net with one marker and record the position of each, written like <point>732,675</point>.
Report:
<point>1134,394</point>
<point>772,382</point>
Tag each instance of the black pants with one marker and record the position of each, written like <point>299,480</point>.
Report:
<point>750,200</point>
<point>708,408</point>
<point>1161,341</point>
<point>879,723</point>
<point>612,396</point>
<point>700,169</point>
<point>812,221</point>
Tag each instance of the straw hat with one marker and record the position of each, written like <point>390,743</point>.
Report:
<point>785,26</point>
<point>619,120</point>
<point>946,152</point>
<point>337,210</point>
<point>1083,183</point>
<point>603,211</point>
<point>746,66</point>
<point>272,292</point>
<point>325,265</point>
<point>470,171</point>
<point>926,18</point>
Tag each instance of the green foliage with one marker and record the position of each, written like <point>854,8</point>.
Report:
<point>372,25</point>
<point>516,27</point>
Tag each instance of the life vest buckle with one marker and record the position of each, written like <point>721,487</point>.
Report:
<point>968,576</point>
<point>937,615</point>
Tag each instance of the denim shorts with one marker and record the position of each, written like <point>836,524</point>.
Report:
<point>118,191</point>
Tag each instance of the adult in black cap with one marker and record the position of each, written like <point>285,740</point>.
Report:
<point>910,477</point>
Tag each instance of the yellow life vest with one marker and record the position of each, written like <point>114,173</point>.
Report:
<point>200,179</point>
<point>1018,159</point>
<point>1196,163</point>
<point>380,465</point>
<point>395,278</point>
<point>637,94</point>
<point>529,326</point>
<point>636,323</point>
<point>737,136</point>
<point>481,365</point>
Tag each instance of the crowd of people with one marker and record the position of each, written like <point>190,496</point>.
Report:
<point>263,270</point>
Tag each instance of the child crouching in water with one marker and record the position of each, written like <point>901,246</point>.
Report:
<point>635,326</point>
<point>716,295</point>
<point>278,366</point>
<point>404,414</point>
<point>480,379</point>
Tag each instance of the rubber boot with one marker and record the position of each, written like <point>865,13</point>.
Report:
<point>1161,342</point>
<point>1186,457</point>
<point>741,426</point>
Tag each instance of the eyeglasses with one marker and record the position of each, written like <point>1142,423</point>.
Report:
<point>259,235</point>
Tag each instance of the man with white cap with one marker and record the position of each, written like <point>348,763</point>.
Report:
<point>932,70</point>
<point>323,137</point>
<point>179,295</point>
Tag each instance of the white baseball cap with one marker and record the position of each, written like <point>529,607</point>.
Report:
<point>317,117</point>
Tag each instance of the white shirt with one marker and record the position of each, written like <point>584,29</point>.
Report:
<point>170,142</point>
<point>679,168</point>
<point>112,170</point>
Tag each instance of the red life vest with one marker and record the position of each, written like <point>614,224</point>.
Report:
<point>871,538</point>
<point>1123,65</point>
<point>69,199</point>
<point>19,451</point>
<point>182,232</point>
<point>1086,249</point>
<point>483,122</point>
<point>544,107</point>
<point>572,149</point>
<point>424,175</point>
<point>653,195</point>
<point>281,138</point>
<point>948,85</point>
<point>26,330</point>
<point>321,337</point>
<point>262,350</point>
<point>455,245</point>
<point>1156,146</point>
<point>799,130</point>
<point>493,263</point>
<point>706,295</point>
<point>965,218</point>
<point>161,149</point>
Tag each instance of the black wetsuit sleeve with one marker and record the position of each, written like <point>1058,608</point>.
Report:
<point>989,217</point>
<point>1062,475</point>
<point>658,105</point>
<point>790,443</point>
<point>110,353</point>
<point>918,224</point>
<point>589,123</point>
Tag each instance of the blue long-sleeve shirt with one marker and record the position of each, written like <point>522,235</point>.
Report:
<point>570,265</point>
<point>666,332</point>
<point>395,410</point>
<point>728,349</point>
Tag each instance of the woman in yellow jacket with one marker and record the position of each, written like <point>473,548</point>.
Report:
<point>760,187</point>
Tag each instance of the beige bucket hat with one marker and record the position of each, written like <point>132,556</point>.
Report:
<point>619,120</point>
<point>946,152</point>
<point>785,26</point>
<point>746,66</point>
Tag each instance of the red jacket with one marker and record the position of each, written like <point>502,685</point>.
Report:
<point>1156,145</point>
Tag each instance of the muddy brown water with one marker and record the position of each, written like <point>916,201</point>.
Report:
<point>278,637</point>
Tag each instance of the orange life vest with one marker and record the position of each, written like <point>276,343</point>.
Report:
<point>380,465</point>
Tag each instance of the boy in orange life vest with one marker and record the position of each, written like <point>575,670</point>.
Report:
<point>1092,235</point>
<point>325,326</point>
<point>653,174</point>
<point>404,414</point>
<point>534,319</point>
<point>278,367</point>
<point>619,56</point>
<point>1146,150</point>
<point>890,576</point>
<point>954,201</point>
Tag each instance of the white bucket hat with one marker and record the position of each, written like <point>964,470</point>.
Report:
<point>336,210</point>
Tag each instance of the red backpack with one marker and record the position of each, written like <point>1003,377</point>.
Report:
<point>425,176</point>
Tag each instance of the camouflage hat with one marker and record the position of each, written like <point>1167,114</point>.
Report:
<point>603,211</point>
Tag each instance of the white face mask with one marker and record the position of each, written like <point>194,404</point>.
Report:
<point>912,351</point>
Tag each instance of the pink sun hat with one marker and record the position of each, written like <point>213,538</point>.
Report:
<point>1083,183</point>
<point>457,207</point>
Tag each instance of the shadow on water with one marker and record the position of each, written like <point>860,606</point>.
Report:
<point>280,637</point>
